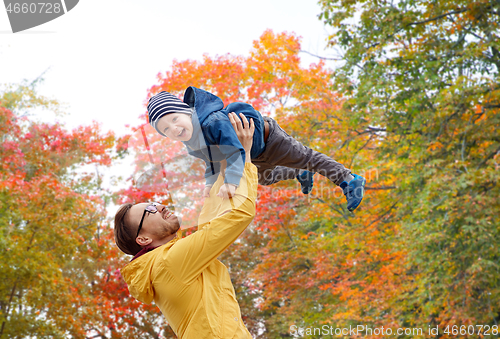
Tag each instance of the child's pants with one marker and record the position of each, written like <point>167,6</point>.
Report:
<point>284,157</point>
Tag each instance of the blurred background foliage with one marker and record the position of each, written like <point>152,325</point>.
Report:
<point>413,106</point>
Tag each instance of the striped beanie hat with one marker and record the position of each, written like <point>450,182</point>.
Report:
<point>165,103</point>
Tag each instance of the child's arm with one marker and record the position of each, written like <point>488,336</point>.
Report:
<point>229,190</point>
<point>212,169</point>
<point>221,133</point>
<point>211,174</point>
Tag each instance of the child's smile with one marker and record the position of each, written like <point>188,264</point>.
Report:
<point>176,126</point>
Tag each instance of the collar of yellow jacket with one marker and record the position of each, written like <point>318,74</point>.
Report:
<point>148,249</point>
<point>137,273</point>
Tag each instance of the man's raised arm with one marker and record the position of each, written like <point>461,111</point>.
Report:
<point>191,255</point>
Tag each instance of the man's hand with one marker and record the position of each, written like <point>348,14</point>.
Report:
<point>227,191</point>
<point>244,131</point>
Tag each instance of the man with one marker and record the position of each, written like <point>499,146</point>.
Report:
<point>183,276</point>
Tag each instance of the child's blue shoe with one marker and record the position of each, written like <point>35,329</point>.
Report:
<point>354,191</point>
<point>306,181</point>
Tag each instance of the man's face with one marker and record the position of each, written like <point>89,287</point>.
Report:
<point>176,126</point>
<point>157,226</point>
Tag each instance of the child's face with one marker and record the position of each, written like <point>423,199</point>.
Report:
<point>176,126</point>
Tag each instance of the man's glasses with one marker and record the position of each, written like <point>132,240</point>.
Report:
<point>151,208</point>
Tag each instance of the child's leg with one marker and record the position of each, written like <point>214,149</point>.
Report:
<point>286,156</point>
<point>269,175</point>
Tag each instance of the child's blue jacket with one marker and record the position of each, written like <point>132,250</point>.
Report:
<point>214,138</point>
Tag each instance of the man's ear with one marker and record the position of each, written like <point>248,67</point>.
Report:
<point>143,240</point>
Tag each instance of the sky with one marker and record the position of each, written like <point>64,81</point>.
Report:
<point>101,57</point>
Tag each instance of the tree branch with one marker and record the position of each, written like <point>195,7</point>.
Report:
<point>491,106</point>
<point>371,130</point>
<point>339,210</point>
<point>320,57</point>
<point>9,306</point>
<point>491,155</point>
<point>359,150</point>
<point>379,188</point>
<point>436,18</point>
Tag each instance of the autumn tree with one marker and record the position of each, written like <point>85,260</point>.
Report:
<point>422,78</point>
<point>54,240</point>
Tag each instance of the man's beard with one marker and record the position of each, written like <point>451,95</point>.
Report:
<point>172,227</point>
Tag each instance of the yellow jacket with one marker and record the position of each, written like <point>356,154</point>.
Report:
<point>190,286</point>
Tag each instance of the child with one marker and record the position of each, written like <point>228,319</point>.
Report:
<point>201,122</point>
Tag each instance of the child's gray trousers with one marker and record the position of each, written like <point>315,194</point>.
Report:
<point>284,157</point>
